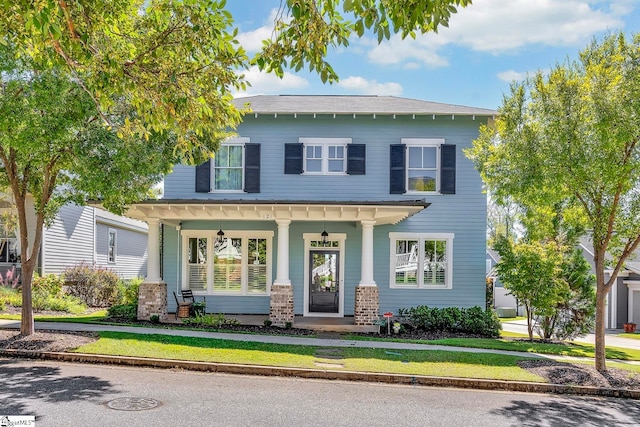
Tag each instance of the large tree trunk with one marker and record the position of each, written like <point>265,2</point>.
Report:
<point>26,323</point>
<point>601,295</point>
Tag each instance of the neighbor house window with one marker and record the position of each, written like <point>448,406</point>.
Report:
<point>111,249</point>
<point>9,250</point>
<point>421,260</point>
<point>241,262</point>
<point>325,156</point>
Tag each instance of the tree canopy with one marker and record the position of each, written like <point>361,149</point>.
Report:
<point>177,62</point>
<point>567,142</point>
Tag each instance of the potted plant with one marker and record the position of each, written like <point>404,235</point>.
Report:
<point>629,328</point>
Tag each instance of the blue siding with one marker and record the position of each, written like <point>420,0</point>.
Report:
<point>463,214</point>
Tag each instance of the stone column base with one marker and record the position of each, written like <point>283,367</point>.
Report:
<point>281,304</point>
<point>152,299</point>
<point>367,309</point>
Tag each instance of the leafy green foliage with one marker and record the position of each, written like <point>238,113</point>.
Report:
<point>48,294</point>
<point>210,320</point>
<point>96,286</point>
<point>472,320</point>
<point>128,291</point>
<point>570,138</point>
<point>123,311</point>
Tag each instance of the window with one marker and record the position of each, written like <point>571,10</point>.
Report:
<point>235,168</point>
<point>241,262</point>
<point>228,167</point>
<point>421,260</point>
<point>325,155</point>
<point>422,165</point>
<point>8,250</point>
<point>423,161</point>
<point>111,248</point>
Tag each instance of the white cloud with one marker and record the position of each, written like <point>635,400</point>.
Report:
<point>370,87</point>
<point>507,25</point>
<point>252,40</point>
<point>265,83</point>
<point>511,75</point>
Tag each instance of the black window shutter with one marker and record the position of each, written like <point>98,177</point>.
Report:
<point>203,177</point>
<point>252,168</point>
<point>356,159</point>
<point>293,158</point>
<point>448,169</point>
<point>398,169</point>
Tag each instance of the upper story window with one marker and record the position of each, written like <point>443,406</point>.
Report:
<point>423,165</point>
<point>228,167</point>
<point>234,168</point>
<point>325,155</point>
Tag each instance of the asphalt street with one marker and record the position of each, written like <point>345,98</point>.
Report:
<point>95,395</point>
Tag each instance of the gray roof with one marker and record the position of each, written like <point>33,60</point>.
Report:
<point>354,104</point>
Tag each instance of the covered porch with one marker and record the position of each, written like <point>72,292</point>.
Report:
<point>281,215</point>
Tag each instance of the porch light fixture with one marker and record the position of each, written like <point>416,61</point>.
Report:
<point>220,236</point>
<point>324,236</point>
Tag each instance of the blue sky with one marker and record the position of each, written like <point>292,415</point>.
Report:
<point>487,45</point>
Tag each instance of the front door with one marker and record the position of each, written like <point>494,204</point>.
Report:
<point>324,281</point>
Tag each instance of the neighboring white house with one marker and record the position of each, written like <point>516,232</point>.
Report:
<point>84,234</point>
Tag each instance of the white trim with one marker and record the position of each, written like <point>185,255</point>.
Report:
<point>421,237</point>
<point>308,238</point>
<point>210,236</point>
<point>115,245</point>
<point>634,286</point>
<point>325,143</point>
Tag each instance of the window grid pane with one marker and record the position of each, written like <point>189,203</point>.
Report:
<point>435,264</point>
<point>406,262</point>
<point>228,168</point>
<point>227,266</point>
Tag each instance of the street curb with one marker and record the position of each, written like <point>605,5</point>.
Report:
<point>421,380</point>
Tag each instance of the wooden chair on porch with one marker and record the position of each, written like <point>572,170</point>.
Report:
<point>197,307</point>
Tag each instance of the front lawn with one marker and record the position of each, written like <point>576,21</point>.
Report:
<point>411,362</point>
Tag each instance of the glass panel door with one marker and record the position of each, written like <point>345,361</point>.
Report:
<point>324,281</point>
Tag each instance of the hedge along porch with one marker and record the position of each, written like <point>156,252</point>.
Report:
<point>240,254</point>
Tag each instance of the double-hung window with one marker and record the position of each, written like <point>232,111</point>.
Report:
<point>9,250</point>
<point>422,165</point>
<point>240,262</point>
<point>235,168</point>
<point>228,166</point>
<point>325,156</point>
<point>421,260</point>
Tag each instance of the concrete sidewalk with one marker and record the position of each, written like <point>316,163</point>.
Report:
<point>611,338</point>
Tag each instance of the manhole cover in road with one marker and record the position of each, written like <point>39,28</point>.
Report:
<point>133,403</point>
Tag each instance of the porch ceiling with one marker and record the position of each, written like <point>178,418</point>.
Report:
<point>173,211</point>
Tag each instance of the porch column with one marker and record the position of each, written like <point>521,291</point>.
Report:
<point>281,300</point>
<point>366,263</point>
<point>152,295</point>
<point>367,299</point>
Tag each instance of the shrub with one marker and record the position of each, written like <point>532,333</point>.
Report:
<point>123,311</point>
<point>210,320</point>
<point>154,318</point>
<point>473,320</point>
<point>48,294</point>
<point>9,296</point>
<point>128,290</point>
<point>96,286</point>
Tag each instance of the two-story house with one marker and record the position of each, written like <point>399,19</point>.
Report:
<point>325,206</point>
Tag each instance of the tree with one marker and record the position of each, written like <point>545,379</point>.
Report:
<point>178,61</point>
<point>156,71</point>
<point>532,273</point>
<point>54,148</point>
<point>569,140</point>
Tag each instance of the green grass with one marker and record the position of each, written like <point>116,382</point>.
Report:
<point>412,362</point>
<point>512,319</point>
<point>634,336</point>
<point>563,349</point>
<point>94,317</point>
